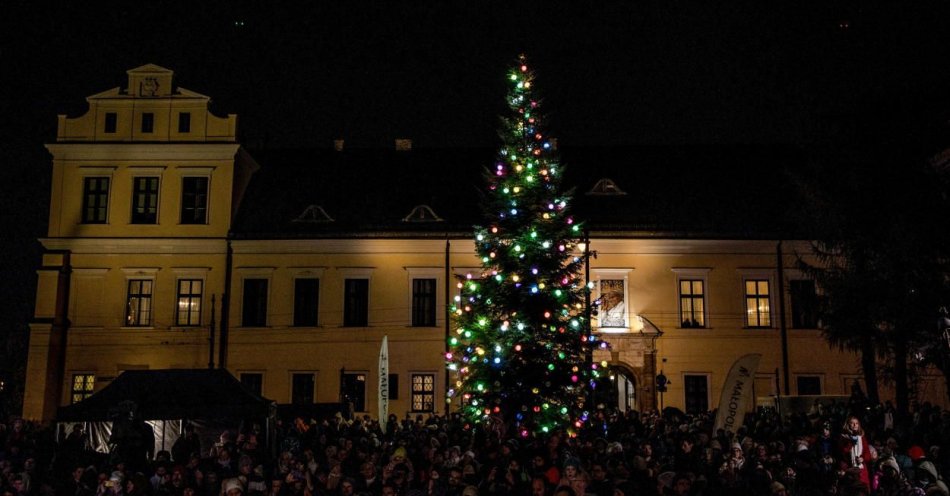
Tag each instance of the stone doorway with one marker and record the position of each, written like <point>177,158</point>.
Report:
<point>619,389</point>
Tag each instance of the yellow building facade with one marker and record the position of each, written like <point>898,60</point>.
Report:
<point>143,269</point>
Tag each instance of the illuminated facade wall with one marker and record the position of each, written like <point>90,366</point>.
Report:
<point>138,243</point>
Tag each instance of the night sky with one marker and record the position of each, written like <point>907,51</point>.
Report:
<point>830,73</point>
<point>612,72</point>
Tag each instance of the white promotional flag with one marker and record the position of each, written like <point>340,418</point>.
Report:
<point>383,398</point>
<point>736,393</point>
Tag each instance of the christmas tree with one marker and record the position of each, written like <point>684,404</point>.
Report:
<point>521,332</point>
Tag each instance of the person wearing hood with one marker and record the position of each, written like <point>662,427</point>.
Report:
<point>734,470</point>
<point>928,479</point>
<point>888,479</point>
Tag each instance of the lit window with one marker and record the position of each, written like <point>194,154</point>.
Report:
<point>189,302</point>
<point>139,303</point>
<point>757,303</point>
<point>423,392</point>
<point>83,386</point>
<point>692,303</point>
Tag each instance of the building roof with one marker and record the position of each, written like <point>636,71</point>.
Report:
<point>737,192</point>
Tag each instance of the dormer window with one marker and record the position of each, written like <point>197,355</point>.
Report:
<point>606,187</point>
<point>314,214</point>
<point>422,213</point>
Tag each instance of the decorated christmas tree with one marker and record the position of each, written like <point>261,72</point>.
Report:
<point>518,353</point>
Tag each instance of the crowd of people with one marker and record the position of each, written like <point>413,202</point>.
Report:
<point>839,449</point>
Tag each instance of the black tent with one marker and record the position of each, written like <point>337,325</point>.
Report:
<point>171,394</point>
<point>211,399</point>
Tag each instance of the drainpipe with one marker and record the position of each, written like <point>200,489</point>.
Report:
<point>211,337</point>
<point>225,308</point>
<point>56,356</point>
<point>783,329</point>
<point>589,358</point>
<point>448,330</point>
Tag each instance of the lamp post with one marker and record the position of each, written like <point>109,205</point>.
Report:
<point>589,358</point>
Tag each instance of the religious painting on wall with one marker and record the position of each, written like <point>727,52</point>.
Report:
<point>612,311</point>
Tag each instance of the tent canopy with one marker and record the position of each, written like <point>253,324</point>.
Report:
<point>171,394</point>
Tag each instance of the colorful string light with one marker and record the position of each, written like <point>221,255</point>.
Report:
<point>524,309</point>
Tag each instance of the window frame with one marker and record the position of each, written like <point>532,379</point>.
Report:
<point>313,392</point>
<point>355,274</point>
<point>265,295</point>
<point>758,275</point>
<point>598,276</point>
<point>758,298</point>
<point>697,274</point>
<point>819,377</point>
<point>190,296</point>
<point>110,122</point>
<point>249,373</point>
<point>87,389</point>
<point>184,206</point>
<point>393,386</point>
<point>421,392</point>
<point>148,122</point>
<point>104,196</point>
<point>316,302</point>
<point>707,377</point>
<point>356,374</point>
<point>438,298</point>
<point>139,296</point>
<point>143,218</point>
<point>184,122</point>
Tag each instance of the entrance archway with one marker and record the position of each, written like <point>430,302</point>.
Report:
<point>619,390</point>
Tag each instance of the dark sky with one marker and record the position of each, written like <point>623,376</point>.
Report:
<point>612,72</point>
<point>665,72</point>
